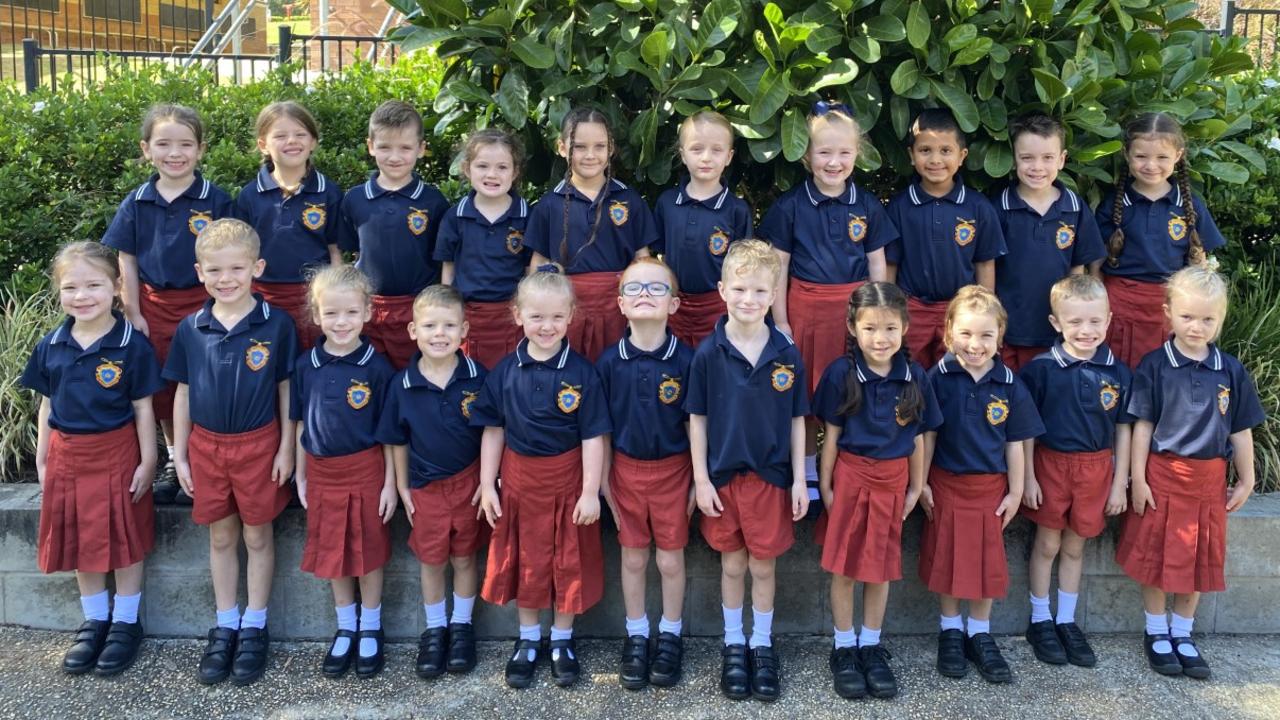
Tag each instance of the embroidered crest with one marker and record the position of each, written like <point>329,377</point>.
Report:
<point>669,389</point>
<point>257,355</point>
<point>313,216</point>
<point>1065,236</point>
<point>997,410</point>
<point>857,228</point>
<point>718,242</point>
<point>417,221</point>
<point>618,213</point>
<point>515,241</point>
<point>1224,399</point>
<point>198,221</point>
<point>965,232</point>
<point>468,399</point>
<point>1109,395</point>
<point>783,377</point>
<point>108,373</point>
<point>569,397</point>
<point>1177,228</point>
<point>358,394</point>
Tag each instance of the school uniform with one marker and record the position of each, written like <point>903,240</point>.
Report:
<point>489,261</point>
<point>546,408</point>
<point>339,400</point>
<point>1080,402</point>
<point>444,457</point>
<point>861,533</point>
<point>1179,545</point>
<point>625,227</point>
<point>942,240</point>
<point>296,232</point>
<point>1042,250</point>
<point>394,232</point>
<point>749,410</point>
<point>962,547</point>
<point>651,472</point>
<point>693,237</point>
<point>161,235</point>
<point>1156,241</point>
<point>232,376</point>
<point>828,239</point>
<point>88,520</point>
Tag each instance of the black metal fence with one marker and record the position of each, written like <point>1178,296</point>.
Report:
<point>1260,25</point>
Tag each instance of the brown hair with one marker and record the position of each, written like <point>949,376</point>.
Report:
<point>174,113</point>
<point>95,253</point>
<point>569,128</point>
<point>885,296</point>
<point>284,109</point>
<point>337,277</point>
<point>228,232</point>
<point>651,260</point>
<point>978,300</point>
<point>1038,123</point>
<point>394,115</point>
<point>494,136</point>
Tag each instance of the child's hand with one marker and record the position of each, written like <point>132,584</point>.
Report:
<point>300,482</point>
<point>828,496</point>
<point>143,476</point>
<point>490,507</point>
<point>1008,508</point>
<point>799,500</point>
<point>1141,497</point>
<point>183,470</point>
<point>1118,502</point>
<point>282,467</point>
<point>139,323</point>
<point>708,499</point>
<point>692,504</point>
<point>926,501</point>
<point>40,471</point>
<point>1031,495</point>
<point>387,503</point>
<point>406,499</point>
<point>913,497</point>
<point>1238,496</point>
<point>607,493</point>
<point>587,510</point>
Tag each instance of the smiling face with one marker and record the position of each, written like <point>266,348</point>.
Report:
<point>288,143</point>
<point>1083,324</point>
<point>878,332</point>
<point>341,313</point>
<point>492,171</point>
<point>228,273</point>
<point>85,290</point>
<point>833,150</point>
<point>937,156</point>
<point>706,150</point>
<point>1038,159</point>
<point>438,330</point>
<point>974,337</point>
<point>1152,160</point>
<point>173,151</point>
<point>1195,320</point>
<point>544,315</point>
<point>646,305</point>
<point>396,152</point>
<point>748,296</point>
<point>589,155</point>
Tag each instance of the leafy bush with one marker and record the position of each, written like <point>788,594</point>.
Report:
<point>1250,215</point>
<point>1252,333</point>
<point>24,318</point>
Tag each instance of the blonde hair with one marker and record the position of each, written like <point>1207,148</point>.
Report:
<point>977,300</point>
<point>831,118</point>
<point>656,262</point>
<point>706,117</point>
<point>337,277</point>
<point>749,256</point>
<point>548,281</point>
<point>1200,282</point>
<point>1081,286</point>
<point>446,296</point>
<point>94,253</point>
<point>227,232</point>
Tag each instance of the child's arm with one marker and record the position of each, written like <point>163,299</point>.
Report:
<point>704,492</point>
<point>43,432</point>
<point>607,462</point>
<point>446,272</point>
<point>926,492</point>
<point>827,464</point>
<point>335,255</point>
<point>131,291</point>
<point>780,318</point>
<point>890,272</point>
<point>400,466</point>
<point>915,477</point>
<point>1139,492</point>
<point>387,501</point>
<point>799,489</point>
<point>282,466</point>
<point>877,268</point>
<point>144,421</point>
<point>300,467</point>
<point>985,273</point>
<point>1031,496</point>
<point>492,442</point>
<point>1015,458</point>
<point>587,510</point>
<point>181,434</point>
<point>536,260</point>
<point>1118,501</point>
<point>1242,459</point>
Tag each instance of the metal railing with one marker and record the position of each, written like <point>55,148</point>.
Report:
<point>1260,25</point>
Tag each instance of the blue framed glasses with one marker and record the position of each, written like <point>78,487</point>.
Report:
<point>655,289</point>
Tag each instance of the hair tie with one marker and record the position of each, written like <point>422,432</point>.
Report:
<point>549,268</point>
<point>822,107</point>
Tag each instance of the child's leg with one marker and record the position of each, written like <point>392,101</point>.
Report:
<point>733,590</point>
<point>224,561</point>
<point>875,598</point>
<point>128,594</point>
<point>431,578</point>
<point>92,585</point>
<point>344,605</point>
<point>259,541</point>
<point>763,585</point>
<point>635,561</point>
<point>1047,544</point>
<point>950,607</point>
<point>671,568</point>
<point>1070,570</point>
<point>842,610</point>
<point>370,611</point>
<point>466,583</point>
<point>128,579</point>
<point>979,610</point>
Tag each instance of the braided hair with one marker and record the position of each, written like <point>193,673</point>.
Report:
<point>1156,126</point>
<point>568,132</point>
<point>887,296</point>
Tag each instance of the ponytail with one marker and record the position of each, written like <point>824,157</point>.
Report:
<point>1115,243</point>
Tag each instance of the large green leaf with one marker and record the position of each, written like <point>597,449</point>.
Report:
<point>917,25</point>
<point>885,28</point>
<point>960,36</point>
<point>771,95</point>
<point>795,135</point>
<point>998,160</point>
<point>1101,150</point>
<point>717,23</point>
<point>839,72</point>
<point>960,102</point>
<point>532,53</point>
<point>1231,172</point>
<point>866,49</point>
<point>904,77</point>
<point>1049,87</point>
<point>513,98</point>
<point>654,49</point>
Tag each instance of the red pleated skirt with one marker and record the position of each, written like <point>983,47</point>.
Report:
<point>1179,546</point>
<point>345,534</point>
<point>1138,324</point>
<point>494,333</point>
<point>597,321</point>
<point>163,310</point>
<point>862,531</point>
<point>232,475</point>
<point>292,298</point>
<point>1074,489</point>
<point>444,520</point>
<point>962,548</point>
<point>817,313</point>
<point>696,317</point>
<point>651,497</point>
<point>537,556</point>
<point>88,520</point>
<point>925,331</point>
<point>388,328</point>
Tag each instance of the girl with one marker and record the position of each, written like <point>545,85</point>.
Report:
<point>346,480</point>
<point>545,417</point>
<point>482,246</point>
<point>95,454</point>
<point>155,231</point>
<point>697,223</point>
<point>975,480</point>
<point>593,225</point>
<point>294,209</point>
<point>877,405</point>
<point>1174,535</point>
<point>1153,228</point>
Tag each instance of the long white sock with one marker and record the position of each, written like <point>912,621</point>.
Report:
<point>1159,625</point>
<point>1180,627</point>
<point>977,626</point>
<point>230,618</point>
<point>370,619</point>
<point>733,626</point>
<point>437,615</point>
<point>868,637</point>
<point>675,627</point>
<point>951,622</point>
<point>761,628</point>
<point>346,621</point>
<point>96,606</point>
<point>462,609</point>
<point>1040,609</point>
<point>558,634</point>
<point>125,609</point>
<point>846,638</point>
<point>1067,607</point>
<point>639,626</point>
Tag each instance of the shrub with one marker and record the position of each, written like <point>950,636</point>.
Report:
<point>24,318</point>
<point>1252,333</point>
<point>1250,214</point>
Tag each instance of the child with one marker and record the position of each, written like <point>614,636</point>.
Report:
<point>877,405</point>
<point>975,480</point>
<point>437,464</point>
<point>155,231</point>
<point>1194,407</point>
<point>696,223</point>
<point>346,480</point>
<point>569,226</point>
<point>746,406</point>
<point>294,209</point>
<point>482,244</point>
<point>950,235</point>
<point>1080,391</point>
<point>545,418</point>
<point>1153,227</point>
<point>649,489</point>
<point>95,455</point>
<point>233,439</point>
<point>1050,234</point>
<point>392,220</point>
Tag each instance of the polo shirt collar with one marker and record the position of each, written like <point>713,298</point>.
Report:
<point>260,313</point>
<point>628,351</point>
<point>1101,356</point>
<point>999,372</point>
<point>412,189</point>
<point>899,370</point>
<point>117,337</point>
<point>465,370</point>
<point>817,197</point>
<point>919,197</point>
<point>313,182</point>
<point>467,208</point>
<point>567,189</point>
<point>778,340</point>
<point>1177,359</point>
<point>558,360</point>
<point>1067,201</point>
<point>197,190</point>
<point>1174,196</point>
<point>360,356</point>
<point>714,202</point>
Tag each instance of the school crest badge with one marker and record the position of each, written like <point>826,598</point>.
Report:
<point>468,399</point>
<point>1177,228</point>
<point>1065,236</point>
<point>569,397</point>
<point>997,410</point>
<point>965,232</point>
<point>358,394</point>
<point>108,373</point>
<point>669,389</point>
<point>198,221</point>
<point>417,221</point>
<point>619,213</point>
<point>782,377</point>
<point>1109,395</point>
<point>857,228</point>
<point>718,243</point>
<point>313,216</point>
<point>1224,399</point>
<point>256,357</point>
<point>515,241</point>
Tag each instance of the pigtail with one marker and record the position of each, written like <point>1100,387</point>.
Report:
<point>852,387</point>
<point>1195,253</point>
<point>1115,243</point>
<point>568,179</point>
<point>911,402</point>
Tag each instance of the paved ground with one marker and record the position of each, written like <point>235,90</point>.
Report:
<point>162,685</point>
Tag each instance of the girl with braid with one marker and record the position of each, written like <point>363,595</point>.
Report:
<point>1154,225</point>
<point>594,226</point>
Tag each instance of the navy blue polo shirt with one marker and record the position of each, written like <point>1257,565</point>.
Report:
<point>646,391</point>
<point>1042,251</point>
<point>339,399</point>
<point>980,418</point>
<point>828,237</point>
<point>694,235</point>
<point>296,232</point>
<point>1196,406</point>
<point>547,407</point>
<point>395,233</point>
<point>232,374</point>
<point>434,421</point>
<point>748,409</point>
<point>91,390</point>
<point>877,430</point>
<point>626,226</point>
<point>1156,234</point>
<point>942,238</point>
<point>1080,401</point>
<point>489,258</point>
<point>162,234</point>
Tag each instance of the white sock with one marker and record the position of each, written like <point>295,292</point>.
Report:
<point>868,637</point>
<point>811,477</point>
<point>1067,607</point>
<point>229,619</point>
<point>675,627</point>
<point>1180,627</point>
<point>170,449</point>
<point>1040,609</point>
<point>254,618</point>
<point>733,626</point>
<point>437,616</point>
<point>1159,625</point>
<point>953,622</point>
<point>638,627</point>
<point>346,621</point>
<point>370,619</point>
<point>558,634</point>
<point>125,608</point>
<point>462,609</point>
<point>978,626</point>
<point>95,606</point>
<point>761,628</point>
<point>846,638</point>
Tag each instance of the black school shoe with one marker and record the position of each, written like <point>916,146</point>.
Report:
<point>250,661</point>
<point>985,654</point>
<point>846,678</point>
<point>951,660</point>
<point>432,651</point>
<point>565,668</point>
<point>766,674</point>
<point>370,665</point>
<point>1077,647</point>
<point>735,672</point>
<point>215,665</point>
<point>120,650</point>
<point>1046,643</point>
<point>334,665</point>
<point>520,668</point>
<point>874,661</point>
<point>462,648</point>
<point>1193,667</point>
<point>166,486</point>
<point>666,666</point>
<point>1163,663</point>
<point>633,670</point>
<point>84,652</point>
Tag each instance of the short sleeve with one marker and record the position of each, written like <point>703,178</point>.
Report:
<point>448,238</point>
<point>831,392</point>
<point>659,246</point>
<point>348,235</point>
<point>243,209</point>
<point>932,418</point>
<point>882,231</point>
<point>1126,391</point>
<point>223,206</point>
<point>800,396</point>
<point>391,431</point>
<point>146,380</point>
<point>288,340</point>
<point>742,225</point>
<point>333,228</point>
<point>487,409</point>
<point>1033,376</point>
<point>122,233</point>
<point>696,399</point>
<point>593,417</point>
<point>1088,247</point>
<point>990,237</point>
<point>777,227</point>
<point>1024,418</point>
<point>36,375</point>
<point>175,366</point>
<point>893,251</point>
<point>644,233</point>
<point>1210,237</point>
<point>1144,401</point>
<point>1102,215</point>
<point>537,233</point>
<point>1246,410</point>
<point>297,390</point>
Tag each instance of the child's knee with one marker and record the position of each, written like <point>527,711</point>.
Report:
<point>1072,550</point>
<point>1048,542</point>
<point>258,538</point>
<point>223,538</point>
<point>734,564</point>
<point>634,560</point>
<point>462,563</point>
<point>670,562</point>
<point>762,569</point>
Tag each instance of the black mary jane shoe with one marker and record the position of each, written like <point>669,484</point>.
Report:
<point>215,664</point>
<point>766,674</point>
<point>1165,663</point>
<point>432,650</point>
<point>370,665</point>
<point>735,672</point>
<point>1079,652</point>
<point>520,668</point>
<point>846,678</point>
<point>986,656</point>
<point>874,661</point>
<point>83,654</point>
<point>252,650</point>
<point>462,648</point>
<point>335,666</point>
<point>667,664</point>
<point>633,670</point>
<point>1192,666</point>
<point>951,660</point>
<point>565,668</point>
<point>1046,643</point>
<point>120,650</point>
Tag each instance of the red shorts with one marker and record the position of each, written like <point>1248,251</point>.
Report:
<point>537,556</point>
<point>597,321</point>
<point>231,474</point>
<point>962,548</point>
<point>756,516</point>
<point>1016,357</point>
<point>345,534</point>
<point>1074,489</point>
<point>925,331</point>
<point>163,310</point>
<point>292,298</point>
<point>493,334</point>
<point>862,530</point>
<point>651,497</point>
<point>696,318</point>
<point>817,313</point>
<point>388,328</point>
<point>1138,324</point>
<point>444,520</point>
<point>88,520</point>
<point>1180,545</point>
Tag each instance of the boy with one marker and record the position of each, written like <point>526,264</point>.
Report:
<point>644,377</point>
<point>746,405</point>
<point>437,463</point>
<point>391,220</point>
<point>1081,390</point>
<point>950,236</point>
<point>233,440</point>
<point>1050,233</point>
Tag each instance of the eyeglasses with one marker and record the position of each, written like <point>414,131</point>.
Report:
<point>655,289</point>
<point>822,107</point>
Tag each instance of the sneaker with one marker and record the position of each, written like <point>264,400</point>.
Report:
<point>1045,643</point>
<point>84,652</point>
<point>874,662</point>
<point>766,674</point>
<point>120,650</point>
<point>633,671</point>
<point>951,661</point>
<point>565,668</point>
<point>431,653</point>
<point>846,678</point>
<point>982,650</point>
<point>735,673</point>
<point>462,648</point>
<point>1165,663</point>
<point>1193,666</point>
<point>665,667</point>
<point>215,664</point>
<point>520,668</point>
<point>1077,647</point>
